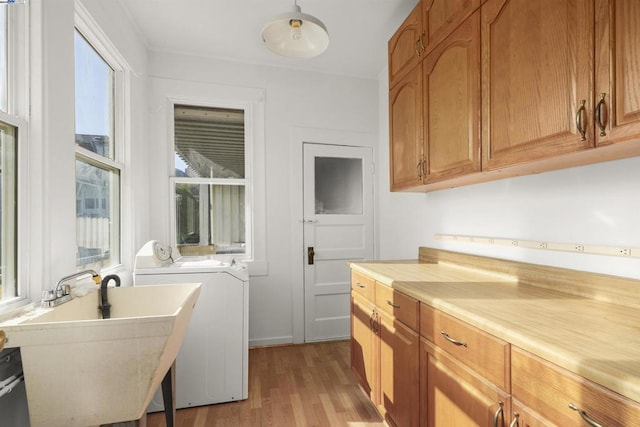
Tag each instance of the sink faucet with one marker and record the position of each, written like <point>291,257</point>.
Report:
<point>105,307</point>
<point>62,292</point>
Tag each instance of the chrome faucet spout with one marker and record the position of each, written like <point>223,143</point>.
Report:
<point>62,292</point>
<point>94,275</point>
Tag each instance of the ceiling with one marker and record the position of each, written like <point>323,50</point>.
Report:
<point>230,29</point>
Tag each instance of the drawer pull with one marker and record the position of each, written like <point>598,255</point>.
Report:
<point>453,340</point>
<point>360,285</point>
<point>584,416</point>
<point>392,304</point>
<point>498,413</point>
<point>515,423</point>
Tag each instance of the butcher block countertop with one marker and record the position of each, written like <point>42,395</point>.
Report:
<point>564,316</point>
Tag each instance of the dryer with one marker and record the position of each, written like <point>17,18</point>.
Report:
<point>212,364</point>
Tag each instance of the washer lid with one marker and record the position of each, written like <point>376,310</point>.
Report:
<point>185,265</point>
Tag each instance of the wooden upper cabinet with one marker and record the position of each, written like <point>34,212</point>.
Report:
<point>405,49</point>
<point>405,131</point>
<point>441,17</point>
<point>617,70</point>
<point>452,104</point>
<point>537,68</point>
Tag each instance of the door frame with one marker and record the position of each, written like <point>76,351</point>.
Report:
<point>299,136</point>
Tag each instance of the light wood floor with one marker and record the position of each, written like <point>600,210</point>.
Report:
<point>296,385</point>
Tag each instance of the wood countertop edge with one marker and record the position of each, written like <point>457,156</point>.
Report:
<point>603,373</point>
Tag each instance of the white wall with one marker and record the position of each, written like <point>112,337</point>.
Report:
<point>293,100</point>
<point>596,204</point>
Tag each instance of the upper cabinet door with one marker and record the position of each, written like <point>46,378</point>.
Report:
<point>537,73</point>
<point>452,104</point>
<point>405,131</point>
<point>617,110</point>
<point>441,17</point>
<point>406,46</point>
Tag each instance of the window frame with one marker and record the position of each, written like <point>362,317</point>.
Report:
<point>93,34</point>
<point>247,181</point>
<point>18,76</point>
<point>22,290</point>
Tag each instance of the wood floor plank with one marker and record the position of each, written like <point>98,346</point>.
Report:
<point>304,385</point>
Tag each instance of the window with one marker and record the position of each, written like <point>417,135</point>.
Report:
<point>210,194</point>
<point>98,170</point>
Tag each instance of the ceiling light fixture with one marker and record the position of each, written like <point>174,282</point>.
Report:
<point>295,34</point>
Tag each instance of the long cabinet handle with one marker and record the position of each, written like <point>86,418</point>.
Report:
<point>420,170</point>
<point>419,46</point>
<point>453,340</point>
<point>579,124</point>
<point>599,107</point>
<point>498,413</point>
<point>515,423</point>
<point>421,40</point>
<point>392,304</point>
<point>373,322</point>
<point>584,416</point>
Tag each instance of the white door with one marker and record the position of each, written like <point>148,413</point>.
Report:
<point>338,227</point>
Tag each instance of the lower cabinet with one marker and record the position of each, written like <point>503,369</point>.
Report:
<point>364,346</point>
<point>399,386</point>
<point>552,396</point>
<point>454,374</point>
<point>384,354</point>
<point>451,394</point>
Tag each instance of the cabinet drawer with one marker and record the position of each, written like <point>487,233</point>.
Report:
<point>484,353</point>
<point>404,308</point>
<point>363,285</point>
<point>549,389</point>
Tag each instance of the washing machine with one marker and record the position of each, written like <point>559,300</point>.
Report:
<point>213,363</point>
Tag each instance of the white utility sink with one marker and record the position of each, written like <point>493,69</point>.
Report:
<point>82,370</point>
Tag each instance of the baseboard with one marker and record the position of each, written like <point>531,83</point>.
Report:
<point>266,342</point>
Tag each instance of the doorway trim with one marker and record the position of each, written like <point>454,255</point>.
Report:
<point>299,136</point>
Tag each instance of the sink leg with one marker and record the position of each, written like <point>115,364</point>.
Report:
<point>169,395</point>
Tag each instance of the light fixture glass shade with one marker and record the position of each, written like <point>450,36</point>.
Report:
<point>295,34</point>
